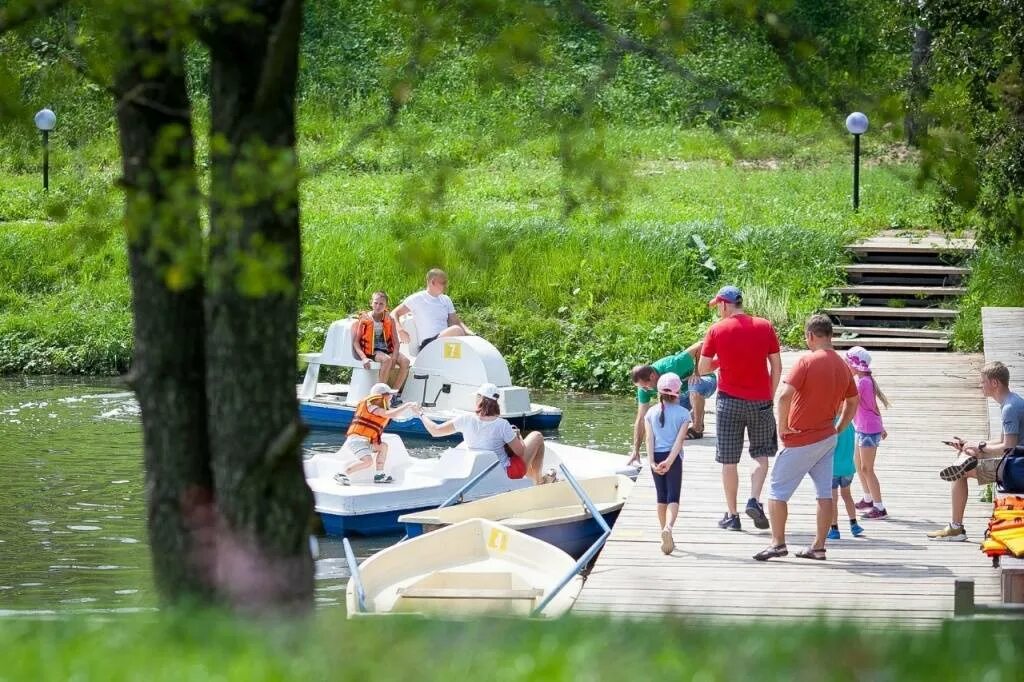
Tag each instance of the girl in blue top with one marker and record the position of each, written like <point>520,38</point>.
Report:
<point>665,428</point>
<point>843,470</point>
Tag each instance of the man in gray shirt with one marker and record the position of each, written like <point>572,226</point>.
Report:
<point>981,461</point>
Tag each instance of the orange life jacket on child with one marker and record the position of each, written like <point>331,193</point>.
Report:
<point>366,423</point>
<point>364,333</point>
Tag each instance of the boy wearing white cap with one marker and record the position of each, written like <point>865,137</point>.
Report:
<point>364,433</point>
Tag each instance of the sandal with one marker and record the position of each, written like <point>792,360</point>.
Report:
<point>771,552</point>
<point>811,553</point>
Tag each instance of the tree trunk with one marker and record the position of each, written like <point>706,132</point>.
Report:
<point>915,123</point>
<point>164,238</point>
<point>252,306</point>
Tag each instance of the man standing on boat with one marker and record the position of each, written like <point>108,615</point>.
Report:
<point>699,388</point>
<point>432,311</point>
<point>373,340</point>
<point>745,351</point>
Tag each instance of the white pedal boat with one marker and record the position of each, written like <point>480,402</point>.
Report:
<point>366,508</point>
<point>552,513</point>
<point>472,568</point>
<point>443,379</point>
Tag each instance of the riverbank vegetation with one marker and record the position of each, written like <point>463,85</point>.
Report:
<point>584,214</point>
<point>199,647</point>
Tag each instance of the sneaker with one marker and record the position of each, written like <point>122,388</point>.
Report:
<point>756,512</point>
<point>855,530</point>
<point>949,534</point>
<point>343,479</point>
<point>667,543</point>
<point>730,522</point>
<point>959,467</point>
<point>875,513</point>
<point>864,504</point>
<point>833,534</point>
<point>396,401</point>
<point>383,478</point>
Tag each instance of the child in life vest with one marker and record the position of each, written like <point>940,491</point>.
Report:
<point>363,437</point>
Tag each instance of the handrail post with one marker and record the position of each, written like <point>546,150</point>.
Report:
<point>590,553</point>
<point>353,569</point>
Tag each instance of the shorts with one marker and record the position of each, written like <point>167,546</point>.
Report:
<point>793,464</point>
<point>359,446</point>
<point>841,482</point>
<point>734,416</point>
<point>516,467</point>
<point>869,440</point>
<point>705,387</point>
<point>987,469</point>
<point>424,342</point>
<point>667,486</point>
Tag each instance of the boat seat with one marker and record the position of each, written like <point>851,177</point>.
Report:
<point>469,593</point>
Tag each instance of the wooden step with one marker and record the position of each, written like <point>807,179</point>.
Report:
<point>928,244</point>
<point>841,330</point>
<point>904,269</point>
<point>882,311</point>
<point>898,290</point>
<point>892,342</point>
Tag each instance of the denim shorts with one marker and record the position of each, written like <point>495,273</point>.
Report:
<point>869,440</point>
<point>705,388</point>
<point>841,481</point>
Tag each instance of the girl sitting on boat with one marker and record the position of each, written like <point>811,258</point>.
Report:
<point>486,430</point>
<point>665,428</point>
<point>363,437</point>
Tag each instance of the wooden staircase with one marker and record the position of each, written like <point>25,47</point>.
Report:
<point>901,292</point>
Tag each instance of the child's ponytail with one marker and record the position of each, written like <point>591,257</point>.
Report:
<point>661,412</point>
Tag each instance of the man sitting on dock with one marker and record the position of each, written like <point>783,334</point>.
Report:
<point>981,460</point>
<point>432,310</point>
<point>373,340</point>
<point>699,388</point>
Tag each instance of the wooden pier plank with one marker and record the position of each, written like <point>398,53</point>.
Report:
<point>892,573</point>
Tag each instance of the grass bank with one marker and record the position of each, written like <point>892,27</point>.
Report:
<point>571,299</point>
<point>199,647</point>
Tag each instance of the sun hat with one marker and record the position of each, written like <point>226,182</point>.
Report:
<point>488,390</point>
<point>670,383</point>
<point>382,389</point>
<point>727,294</point>
<point>859,359</point>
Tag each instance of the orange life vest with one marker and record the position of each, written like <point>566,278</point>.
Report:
<point>365,333</point>
<point>366,423</point>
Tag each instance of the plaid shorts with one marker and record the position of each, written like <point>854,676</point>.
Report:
<point>733,416</point>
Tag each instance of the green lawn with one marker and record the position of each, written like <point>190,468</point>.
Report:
<point>210,647</point>
<point>572,299</point>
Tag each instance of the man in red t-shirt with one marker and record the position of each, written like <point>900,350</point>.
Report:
<point>745,350</point>
<point>819,384</point>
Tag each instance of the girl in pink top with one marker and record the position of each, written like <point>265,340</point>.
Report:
<point>870,432</point>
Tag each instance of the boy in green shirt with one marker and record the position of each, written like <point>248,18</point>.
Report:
<point>645,378</point>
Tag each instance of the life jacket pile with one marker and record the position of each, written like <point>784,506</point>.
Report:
<point>366,423</point>
<point>1005,534</point>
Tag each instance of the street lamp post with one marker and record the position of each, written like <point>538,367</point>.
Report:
<point>45,121</point>
<point>857,124</point>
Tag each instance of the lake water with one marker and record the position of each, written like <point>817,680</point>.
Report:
<point>72,518</point>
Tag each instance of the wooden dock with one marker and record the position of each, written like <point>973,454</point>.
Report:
<point>891,573</point>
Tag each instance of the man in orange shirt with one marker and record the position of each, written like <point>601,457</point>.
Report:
<point>815,390</point>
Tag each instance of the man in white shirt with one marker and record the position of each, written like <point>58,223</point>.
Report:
<point>432,310</point>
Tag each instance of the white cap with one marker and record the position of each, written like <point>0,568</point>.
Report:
<point>382,389</point>
<point>488,390</point>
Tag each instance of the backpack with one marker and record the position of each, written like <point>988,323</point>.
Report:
<point>1011,471</point>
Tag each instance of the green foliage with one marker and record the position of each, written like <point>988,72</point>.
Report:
<point>197,646</point>
<point>976,148</point>
<point>996,276</point>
